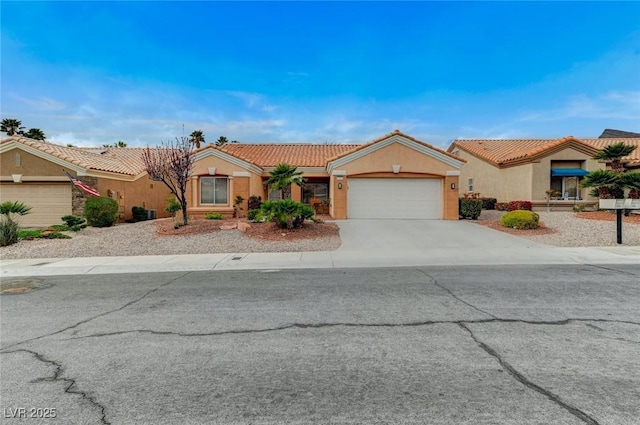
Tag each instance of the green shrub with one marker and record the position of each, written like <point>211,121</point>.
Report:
<point>59,227</point>
<point>53,235</point>
<point>101,211</point>
<point>74,220</point>
<point>578,208</point>
<point>520,219</point>
<point>470,209</point>
<point>213,216</point>
<point>139,213</point>
<point>9,232</point>
<point>173,206</point>
<point>252,214</point>
<point>489,203</point>
<point>287,214</point>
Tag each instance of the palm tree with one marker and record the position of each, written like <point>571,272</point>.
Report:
<point>282,177</point>
<point>9,227</point>
<point>614,153</point>
<point>632,182</point>
<point>197,137</point>
<point>11,126</point>
<point>607,183</point>
<point>35,133</point>
<point>222,141</point>
<point>12,208</point>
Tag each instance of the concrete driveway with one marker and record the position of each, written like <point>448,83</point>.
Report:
<point>425,235</point>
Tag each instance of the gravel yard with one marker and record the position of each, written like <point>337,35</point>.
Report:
<point>560,229</point>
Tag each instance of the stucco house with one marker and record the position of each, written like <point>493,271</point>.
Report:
<point>394,176</point>
<point>525,169</point>
<point>33,172</point>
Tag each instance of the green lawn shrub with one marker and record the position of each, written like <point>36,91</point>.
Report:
<point>139,213</point>
<point>101,211</point>
<point>470,209</point>
<point>520,219</point>
<point>252,214</point>
<point>213,216</point>
<point>74,220</point>
<point>287,214</point>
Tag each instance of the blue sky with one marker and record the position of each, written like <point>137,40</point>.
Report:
<point>90,73</point>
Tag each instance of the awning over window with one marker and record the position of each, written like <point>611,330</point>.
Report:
<point>568,172</point>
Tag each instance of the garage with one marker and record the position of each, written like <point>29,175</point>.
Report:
<point>49,202</point>
<point>400,198</point>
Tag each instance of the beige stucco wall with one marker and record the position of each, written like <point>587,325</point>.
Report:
<point>30,165</point>
<point>142,192</point>
<point>507,184</point>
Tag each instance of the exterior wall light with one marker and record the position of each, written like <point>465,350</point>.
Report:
<point>339,185</point>
<point>453,186</point>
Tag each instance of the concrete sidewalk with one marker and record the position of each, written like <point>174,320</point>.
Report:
<point>539,254</point>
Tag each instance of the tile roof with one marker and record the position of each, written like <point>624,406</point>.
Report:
<point>126,161</point>
<point>298,154</point>
<point>504,152</point>
<point>633,159</point>
<point>396,133</point>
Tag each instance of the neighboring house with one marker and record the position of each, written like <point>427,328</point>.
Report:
<point>395,176</point>
<point>525,169</point>
<point>617,134</point>
<point>33,172</point>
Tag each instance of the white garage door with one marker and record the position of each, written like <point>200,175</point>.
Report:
<point>394,198</point>
<point>48,202</point>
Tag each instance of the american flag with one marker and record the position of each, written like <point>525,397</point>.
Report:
<point>82,186</point>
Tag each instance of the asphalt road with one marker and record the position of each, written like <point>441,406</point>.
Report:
<point>424,345</point>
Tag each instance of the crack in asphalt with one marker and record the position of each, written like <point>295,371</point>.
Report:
<point>527,383</point>
<point>82,322</point>
<point>346,324</point>
<point>448,291</point>
<point>71,388</point>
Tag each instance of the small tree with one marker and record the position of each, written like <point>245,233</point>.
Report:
<point>172,164</point>
<point>282,177</point>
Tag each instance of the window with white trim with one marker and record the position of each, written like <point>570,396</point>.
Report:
<point>214,191</point>
<point>470,185</point>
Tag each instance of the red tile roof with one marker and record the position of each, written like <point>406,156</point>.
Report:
<point>506,152</point>
<point>297,154</point>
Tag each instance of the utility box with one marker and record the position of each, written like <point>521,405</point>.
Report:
<point>152,214</point>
